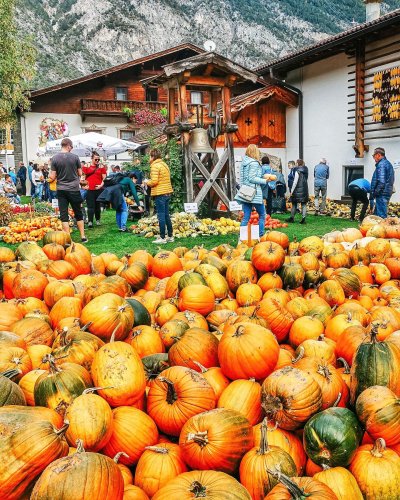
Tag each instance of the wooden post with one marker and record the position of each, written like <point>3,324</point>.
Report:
<point>171,105</point>
<point>187,160</point>
<point>227,120</point>
<point>249,234</point>
<point>359,146</point>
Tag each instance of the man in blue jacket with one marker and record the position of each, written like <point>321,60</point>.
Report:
<point>358,190</point>
<point>382,183</point>
<point>321,176</point>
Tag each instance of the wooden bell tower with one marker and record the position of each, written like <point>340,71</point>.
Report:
<point>205,174</point>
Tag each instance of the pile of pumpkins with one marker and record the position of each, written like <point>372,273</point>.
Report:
<point>32,229</point>
<point>233,373</point>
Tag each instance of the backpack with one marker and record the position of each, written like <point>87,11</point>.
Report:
<point>113,179</point>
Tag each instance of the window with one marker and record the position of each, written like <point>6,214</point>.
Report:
<point>91,129</point>
<point>196,97</point>
<point>127,135</point>
<point>121,93</point>
<point>152,94</point>
<point>3,136</point>
<point>11,136</point>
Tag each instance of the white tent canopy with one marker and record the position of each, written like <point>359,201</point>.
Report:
<point>85,144</point>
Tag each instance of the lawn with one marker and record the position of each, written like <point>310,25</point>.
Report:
<point>107,238</point>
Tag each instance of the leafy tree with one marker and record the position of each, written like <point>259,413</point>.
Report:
<point>17,65</point>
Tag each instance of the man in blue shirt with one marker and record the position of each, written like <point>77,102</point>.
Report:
<point>382,183</point>
<point>358,190</point>
<point>321,176</point>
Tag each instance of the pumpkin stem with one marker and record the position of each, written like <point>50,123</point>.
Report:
<point>324,371</point>
<point>198,437</point>
<point>79,446</point>
<point>345,364</point>
<point>337,400</point>
<point>379,448</point>
<point>374,333</point>
<point>271,405</point>
<point>300,355</point>
<point>112,339</point>
<point>239,331</point>
<point>86,327</point>
<point>158,449</point>
<point>171,392</point>
<point>93,389</point>
<point>264,440</point>
<point>203,369</point>
<point>118,455</point>
<point>61,431</point>
<point>198,490</point>
<point>11,373</point>
<point>296,492</point>
<point>48,358</point>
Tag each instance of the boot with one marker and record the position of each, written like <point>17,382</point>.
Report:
<point>290,219</point>
<point>303,220</point>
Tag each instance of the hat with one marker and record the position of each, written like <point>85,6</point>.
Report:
<point>379,151</point>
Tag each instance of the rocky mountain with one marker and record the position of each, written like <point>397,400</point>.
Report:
<point>76,37</point>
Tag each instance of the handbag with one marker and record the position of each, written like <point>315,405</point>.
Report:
<point>247,193</point>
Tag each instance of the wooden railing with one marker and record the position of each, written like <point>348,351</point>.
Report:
<point>117,107</point>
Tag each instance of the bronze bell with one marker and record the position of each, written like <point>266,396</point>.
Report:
<point>199,141</point>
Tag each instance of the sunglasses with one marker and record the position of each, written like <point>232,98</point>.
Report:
<point>97,159</point>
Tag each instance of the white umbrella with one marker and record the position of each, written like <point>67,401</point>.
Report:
<point>85,144</point>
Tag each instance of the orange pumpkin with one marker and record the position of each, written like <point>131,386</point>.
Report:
<point>196,344</point>
<point>197,298</point>
<point>244,396</point>
<point>278,318</point>
<point>177,394</point>
<point>165,264</point>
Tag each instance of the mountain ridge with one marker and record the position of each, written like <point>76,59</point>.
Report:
<point>78,37</point>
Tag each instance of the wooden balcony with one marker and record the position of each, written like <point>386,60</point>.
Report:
<point>100,107</point>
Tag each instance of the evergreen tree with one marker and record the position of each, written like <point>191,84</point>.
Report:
<point>17,65</point>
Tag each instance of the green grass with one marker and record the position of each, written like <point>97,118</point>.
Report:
<point>107,238</point>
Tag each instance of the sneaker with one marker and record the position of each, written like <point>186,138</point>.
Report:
<point>90,225</point>
<point>303,221</point>
<point>123,230</point>
<point>170,239</point>
<point>98,223</point>
<point>160,241</point>
<point>84,240</point>
<point>290,219</point>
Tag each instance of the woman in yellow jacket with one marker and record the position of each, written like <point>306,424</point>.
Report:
<point>161,189</point>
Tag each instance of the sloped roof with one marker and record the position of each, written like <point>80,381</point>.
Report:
<point>333,44</point>
<point>284,95</point>
<point>115,69</point>
<point>150,134</point>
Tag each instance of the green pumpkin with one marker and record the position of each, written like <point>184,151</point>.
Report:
<point>190,278</point>
<point>248,253</point>
<point>10,392</point>
<point>311,278</point>
<point>141,315</point>
<point>58,387</point>
<point>292,275</point>
<point>216,262</point>
<point>322,312</point>
<point>348,280</point>
<point>332,437</point>
<point>375,363</point>
<point>154,364</point>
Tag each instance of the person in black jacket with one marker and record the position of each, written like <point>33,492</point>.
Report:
<point>21,175</point>
<point>299,191</point>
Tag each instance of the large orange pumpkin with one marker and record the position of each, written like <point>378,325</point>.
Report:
<point>30,283</point>
<point>216,439</point>
<point>244,396</point>
<point>196,344</point>
<point>165,264</point>
<point>108,313</point>
<point>177,394</point>
<point>277,316</point>
<point>133,430</point>
<point>197,298</point>
<point>243,342</point>
<point>268,256</point>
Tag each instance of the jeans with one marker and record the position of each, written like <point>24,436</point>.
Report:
<point>357,194</point>
<point>93,206</point>
<point>121,215</point>
<point>269,201</point>
<point>317,191</point>
<point>260,208</point>
<point>162,207</point>
<point>52,195</point>
<point>33,189</point>
<point>39,191</point>
<point>381,206</point>
<point>294,209</point>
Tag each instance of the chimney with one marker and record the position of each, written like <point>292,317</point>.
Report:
<point>372,9</point>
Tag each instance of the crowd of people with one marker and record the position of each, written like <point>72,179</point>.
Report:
<point>263,188</point>
<point>77,182</point>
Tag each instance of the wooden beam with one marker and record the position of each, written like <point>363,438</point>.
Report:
<point>227,119</point>
<point>206,81</point>
<point>211,182</point>
<point>208,70</point>
<point>185,76</point>
<point>171,106</point>
<point>359,146</point>
<point>230,80</point>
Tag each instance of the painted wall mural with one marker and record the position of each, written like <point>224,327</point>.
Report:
<point>52,129</point>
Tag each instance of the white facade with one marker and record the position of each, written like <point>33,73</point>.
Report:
<point>30,128</point>
<point>326,107</point>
